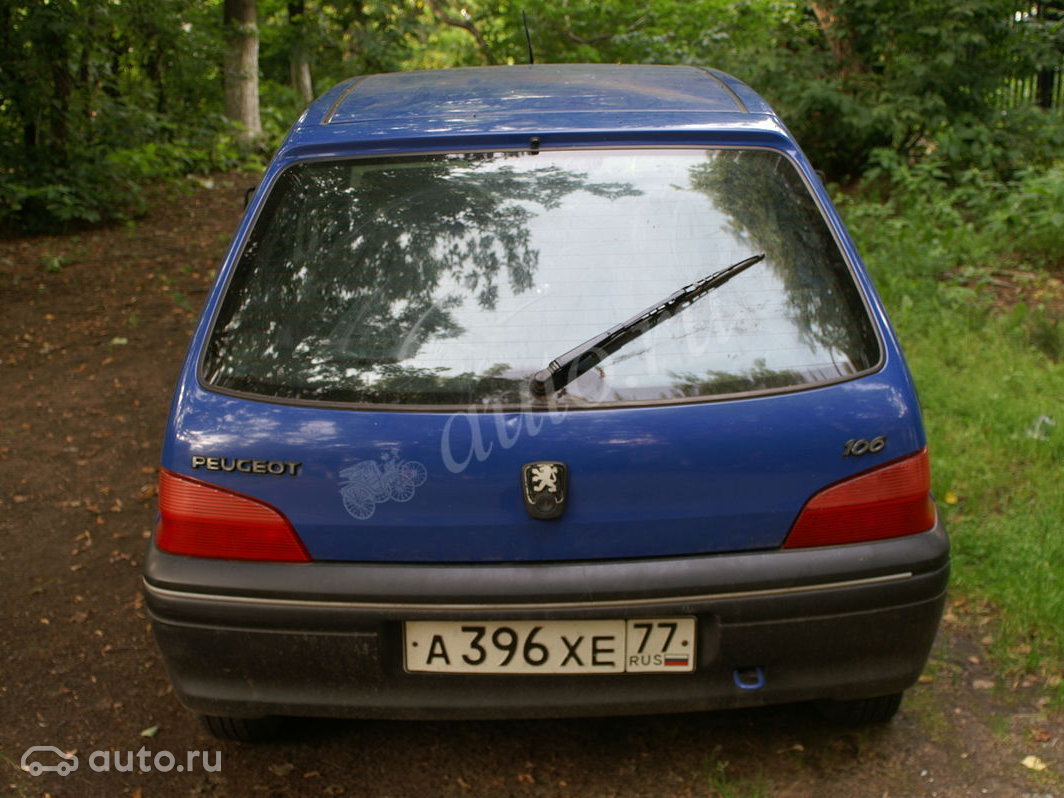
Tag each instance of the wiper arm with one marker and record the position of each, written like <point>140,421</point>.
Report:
<point>586,356</point>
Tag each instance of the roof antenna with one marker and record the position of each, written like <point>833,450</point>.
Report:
<point>528,39</point>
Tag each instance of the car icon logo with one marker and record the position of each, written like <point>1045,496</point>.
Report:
<point>67,764</point>
<point>546,485</point>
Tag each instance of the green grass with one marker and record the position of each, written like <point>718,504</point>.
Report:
<point>990,380</point>
<point>723,782</point>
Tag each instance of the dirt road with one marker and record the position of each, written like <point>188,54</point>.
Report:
<point>94,326</point>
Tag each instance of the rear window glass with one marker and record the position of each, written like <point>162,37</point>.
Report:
<point>452,280</point>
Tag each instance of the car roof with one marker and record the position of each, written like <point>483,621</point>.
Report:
<point>540,98</point>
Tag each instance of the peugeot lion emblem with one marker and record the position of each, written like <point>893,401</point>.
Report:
<point>546,485</point>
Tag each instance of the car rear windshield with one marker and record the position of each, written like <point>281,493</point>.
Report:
<point>454,279</point>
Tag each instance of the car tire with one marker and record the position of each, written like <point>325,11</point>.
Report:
<point>245,730</point>
<point>862,711</point>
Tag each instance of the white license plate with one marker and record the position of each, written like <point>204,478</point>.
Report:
<point>650,645</point>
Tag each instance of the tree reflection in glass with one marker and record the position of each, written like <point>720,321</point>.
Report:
<point>450,280</point>
<point>768,204</point>
<point>354,266</point>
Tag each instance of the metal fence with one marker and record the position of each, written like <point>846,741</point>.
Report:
<point>1045,89</point>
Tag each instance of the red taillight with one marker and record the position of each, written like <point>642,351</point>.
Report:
<point>886,502</point>
<point>202,520</point>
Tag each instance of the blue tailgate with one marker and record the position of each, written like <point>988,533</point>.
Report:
<point>644,482</point>
<point>716,456</point>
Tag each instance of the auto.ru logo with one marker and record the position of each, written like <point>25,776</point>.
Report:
<point>35,757</point>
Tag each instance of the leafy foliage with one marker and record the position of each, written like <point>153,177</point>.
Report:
<point>850,76</point>
<point>864,74</point>
<point>1031,214</point>
<point>97,96</point>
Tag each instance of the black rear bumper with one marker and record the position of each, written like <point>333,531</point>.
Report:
<point>326,638</point>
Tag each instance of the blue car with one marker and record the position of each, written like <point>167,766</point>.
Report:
<point>542,391</point>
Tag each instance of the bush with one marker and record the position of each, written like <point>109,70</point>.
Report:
<point>1031,216</point>
<point>102,185</point>
<point>82,193</point>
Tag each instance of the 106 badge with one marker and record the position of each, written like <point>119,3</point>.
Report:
<point>645,645</point>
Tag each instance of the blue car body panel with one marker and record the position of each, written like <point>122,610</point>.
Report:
<point>644,482</point>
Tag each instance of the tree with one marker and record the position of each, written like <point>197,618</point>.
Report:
<point>463,22</point>
<point>896,74</point>
<point>299,57</point>
<point>242,67</point>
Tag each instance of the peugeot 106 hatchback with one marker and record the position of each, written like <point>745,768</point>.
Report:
<point>540,391</point>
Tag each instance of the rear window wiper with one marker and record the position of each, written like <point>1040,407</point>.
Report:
<point>576,361</point>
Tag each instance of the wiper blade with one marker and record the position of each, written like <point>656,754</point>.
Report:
<point>563,370</point>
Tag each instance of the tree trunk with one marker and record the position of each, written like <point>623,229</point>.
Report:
<point>299,74</point>
<point>58,48</point>
<point>839,37</point>
<point>299,61</point>
<point>241,73</point>
<point>1046,84</point>
<point>1045,88</point>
